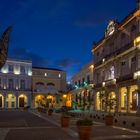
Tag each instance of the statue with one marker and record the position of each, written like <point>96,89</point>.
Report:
<point>4,42</point>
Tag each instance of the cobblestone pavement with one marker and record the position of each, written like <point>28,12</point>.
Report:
<point>32,125</point>
<point>99,131</point>
<point>23,125</point>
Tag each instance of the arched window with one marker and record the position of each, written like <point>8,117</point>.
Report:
<point>50,84</point>
<point>40,83</point>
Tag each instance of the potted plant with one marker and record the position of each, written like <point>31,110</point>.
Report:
<point>110,103</point>
<point>50,111</point>
<point>65,118</point>
<point>84,127</point>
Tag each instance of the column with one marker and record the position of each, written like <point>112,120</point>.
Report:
<point>128,99</point>
<point>16,100</point>
<point>4,101</point>
<point>138,107</point>
<point>118,101</point>
<point>29,99</point>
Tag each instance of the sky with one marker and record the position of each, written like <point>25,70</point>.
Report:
<point>59,33</point>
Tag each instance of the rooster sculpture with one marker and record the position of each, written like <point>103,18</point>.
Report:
<point>4,42</point>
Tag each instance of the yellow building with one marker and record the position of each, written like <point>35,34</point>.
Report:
<point>83,84</point>
<point>48,84</point>
<point>117,64</point>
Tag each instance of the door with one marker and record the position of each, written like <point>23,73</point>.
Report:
<point>134,101</point>
<point>0,101</point>
<point>21,102</point>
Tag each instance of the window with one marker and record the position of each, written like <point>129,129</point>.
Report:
<point>75,83</point>
<point>10,68</point>
<point>88,79</point>
<point>123,36</point>
<point>83,80</point>
<point>50,84</point>
<point>22,84</point>
<point>22,69</point>
<point>59,75</point>
<point>97,77</point>
<point>11,83</point>
<point>112,72</point>
<point>13,104</point>
<point>0,83</point>
<point>133,28</point>
<point>133,59</point>
<point>79,83</point>
<point>123,63</point>
<point>40,83</point>
<point>98,54</point>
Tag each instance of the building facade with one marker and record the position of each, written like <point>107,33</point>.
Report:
<point>83,84</point>
<point>15,84</point>
<point>48,85</point>
<point>117,64</point>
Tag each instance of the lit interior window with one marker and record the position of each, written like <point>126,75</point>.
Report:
<point>59,75</point>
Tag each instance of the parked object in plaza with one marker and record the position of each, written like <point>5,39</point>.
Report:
<point>84,128</point>
<point>110,103</point>
<point>50,111</point>
<point>65,119</point>
<point>41,109</point>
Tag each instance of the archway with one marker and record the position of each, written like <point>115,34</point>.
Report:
<point>39,100</point>
<point>11,101</point>
<point>112,98</point>
<point>123,98</point>
<point>22,101</point>
<point>133,98</point>
<point>98,102</point>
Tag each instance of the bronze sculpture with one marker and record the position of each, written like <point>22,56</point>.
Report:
<point>4,42</point>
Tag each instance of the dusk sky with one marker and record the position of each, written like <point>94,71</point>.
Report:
<point>59,33</point>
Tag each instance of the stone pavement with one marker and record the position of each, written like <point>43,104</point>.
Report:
<point>123,120</point>
<point>23,125</point>
<point>99,132</point>
<point>32,125</point>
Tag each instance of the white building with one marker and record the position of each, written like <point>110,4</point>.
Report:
<point>15,84</point>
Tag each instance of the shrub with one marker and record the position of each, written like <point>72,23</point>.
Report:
<point>84,122</point>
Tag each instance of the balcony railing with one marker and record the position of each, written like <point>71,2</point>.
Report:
<point>98,85</point>
<point>125,78</point>
<point>115,53</point>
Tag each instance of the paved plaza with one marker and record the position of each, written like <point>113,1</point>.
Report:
<point>28,125</point>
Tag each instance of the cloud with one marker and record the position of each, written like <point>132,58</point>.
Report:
<point>67,63</point>
<point>22,53</point>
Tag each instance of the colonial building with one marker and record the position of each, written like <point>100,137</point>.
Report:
<point>15,84</point>
<point>117,64</point>
<point>83,84</point>
<point>48,84</point>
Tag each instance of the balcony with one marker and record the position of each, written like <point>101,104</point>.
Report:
<point>115,53</point>
<point>110,82</point>
<point>125,78</point>
<point>98,85</point>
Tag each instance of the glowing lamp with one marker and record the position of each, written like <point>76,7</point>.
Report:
<point>137,42</point>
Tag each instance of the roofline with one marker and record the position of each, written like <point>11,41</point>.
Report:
<point>123,22</point>
<point>19,60</point>
<point>54,69</point>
